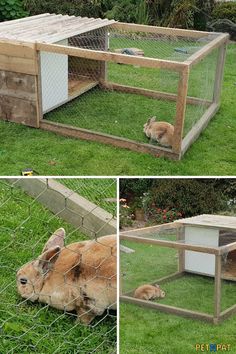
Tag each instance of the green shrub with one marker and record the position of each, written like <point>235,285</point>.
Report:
<point>188,196</point>
<point>225,10</point>
<point>11,9</point>
<point>88,8</point>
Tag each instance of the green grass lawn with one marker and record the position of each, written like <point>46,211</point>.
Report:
<point>143,330</point>
<point>25,225</point>
<point>48,154</point>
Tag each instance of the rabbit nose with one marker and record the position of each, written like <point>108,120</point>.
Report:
<point>23,281</point>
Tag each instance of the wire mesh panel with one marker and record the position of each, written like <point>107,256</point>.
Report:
<point>138,81</point>
<point>153,274</point>
<point>57,287</point>
<point>201,86</point>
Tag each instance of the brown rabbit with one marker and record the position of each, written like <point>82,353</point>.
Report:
<point>149,292</point>
<point>80,276</point>
<point>162,132</point>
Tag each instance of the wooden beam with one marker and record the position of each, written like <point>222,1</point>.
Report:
<point>111,57</point>
<point>38,85</point>
<point>180,110</point>
<point>219,73</point>
<point>228,248</point>
<point>171,244</point>
<point>181,261</point>
<point>150,93</point>
<point>18,65</point>
<point>133,27</point>
<point>204,51</point>
<point>90,135</point>
<point>168,309</point>
<point>226,313</point>
<point>17,49</point>
<point>156,228</point>
<point>217,293</point>
<point>196,130</point>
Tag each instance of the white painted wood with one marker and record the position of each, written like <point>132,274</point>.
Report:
<point>54,78</point>
<point>197,261</point>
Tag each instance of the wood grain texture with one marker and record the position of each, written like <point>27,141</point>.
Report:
<point>168,309</point>
<point>112,57</point>
<point>18,110</point>
<point>85,134</point>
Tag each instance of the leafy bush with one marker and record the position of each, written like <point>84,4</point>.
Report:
<point>189,196</point>
<point>225,10</point>
<point>162,216</point>
<point>93,8</point>
<point>189,14</point>
<point>11,9</point>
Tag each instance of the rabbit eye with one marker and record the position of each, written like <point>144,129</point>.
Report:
<point>23,281</point>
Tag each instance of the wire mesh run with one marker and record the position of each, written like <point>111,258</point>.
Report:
<point>118,96</point>
<point>151,277</point>
<point>57,286</point>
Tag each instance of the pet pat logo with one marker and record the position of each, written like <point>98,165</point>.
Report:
<point>213,347</point>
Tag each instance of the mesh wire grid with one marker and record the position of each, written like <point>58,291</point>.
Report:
<point>105,109</point>
<point>150,262</point>
<point>28,327</point>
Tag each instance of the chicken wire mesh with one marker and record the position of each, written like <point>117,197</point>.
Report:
<point>149,263</point>
<point>118,99</point>
<point>74,285</point>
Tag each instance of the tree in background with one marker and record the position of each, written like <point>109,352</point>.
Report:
<point>11,9</point>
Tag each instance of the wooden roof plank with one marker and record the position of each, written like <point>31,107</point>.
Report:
<point>40,23</point>
<point>24,20</point>
<point>50,28</point>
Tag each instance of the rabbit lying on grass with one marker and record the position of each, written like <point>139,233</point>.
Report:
<point>162,132</point>
<point>149,292</point>
<point>80,276</point>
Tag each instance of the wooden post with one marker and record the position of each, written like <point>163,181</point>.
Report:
<point>39,89</point>
<point>217,295</point>
<point>180,109</point>
<point>219,73</point>
<point>180,236</point>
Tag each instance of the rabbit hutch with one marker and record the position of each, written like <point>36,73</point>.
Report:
<point>101,80</point>
<point>205,246</point>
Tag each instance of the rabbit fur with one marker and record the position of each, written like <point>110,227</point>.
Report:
<point>149,292</point>
<point>162,132</point>
<point>80,276</point>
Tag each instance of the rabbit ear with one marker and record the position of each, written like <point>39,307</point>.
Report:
<point>151,120</point>
<point>48,258</point>
<point>57,239</point>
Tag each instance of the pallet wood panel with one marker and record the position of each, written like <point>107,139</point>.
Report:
<point>18,110</point>
<point>17,49</point>
<point>18,65</point>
